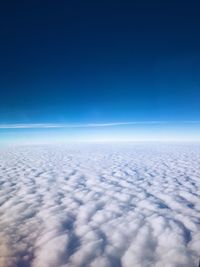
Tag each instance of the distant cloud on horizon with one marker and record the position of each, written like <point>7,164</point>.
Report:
<point>89,125</point>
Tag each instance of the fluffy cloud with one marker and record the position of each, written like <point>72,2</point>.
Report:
<point>100,206</point>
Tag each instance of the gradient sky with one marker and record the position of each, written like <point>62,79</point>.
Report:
<point>99,62</point>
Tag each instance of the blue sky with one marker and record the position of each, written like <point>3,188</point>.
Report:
<point>100,62</point>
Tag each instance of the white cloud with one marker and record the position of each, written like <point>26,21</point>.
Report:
<point>89,125</point>
<point>100,206</point>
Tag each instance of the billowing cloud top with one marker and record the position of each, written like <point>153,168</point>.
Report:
<point>100,206</point>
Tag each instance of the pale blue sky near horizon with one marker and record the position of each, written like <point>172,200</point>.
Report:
<point>105,132</point>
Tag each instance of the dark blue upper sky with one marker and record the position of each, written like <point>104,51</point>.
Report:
<point>99,61</point>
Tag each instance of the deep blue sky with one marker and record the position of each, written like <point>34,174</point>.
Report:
<point>99,61</point>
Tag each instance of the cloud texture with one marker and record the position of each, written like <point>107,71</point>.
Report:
<point>100,206</point>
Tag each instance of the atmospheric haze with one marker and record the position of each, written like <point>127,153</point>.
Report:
<point>100,205</point>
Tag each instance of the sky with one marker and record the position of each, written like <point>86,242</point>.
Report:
<point>100,62</point>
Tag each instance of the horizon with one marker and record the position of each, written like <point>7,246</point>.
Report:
<point>132,131</point>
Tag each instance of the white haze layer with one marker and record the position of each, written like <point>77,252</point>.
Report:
<point>100,206</point>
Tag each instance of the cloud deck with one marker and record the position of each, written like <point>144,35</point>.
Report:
<point>100,206</point>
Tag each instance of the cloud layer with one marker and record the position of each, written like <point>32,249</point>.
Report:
<point>100,206</point>
<point>89,125</point>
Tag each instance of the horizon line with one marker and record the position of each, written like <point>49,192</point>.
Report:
<point>87,125</point>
